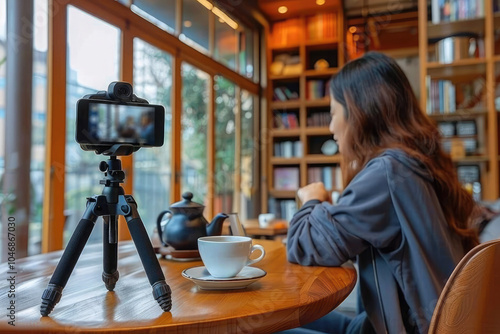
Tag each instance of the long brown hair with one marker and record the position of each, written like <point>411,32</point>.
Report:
<point>382,112</point>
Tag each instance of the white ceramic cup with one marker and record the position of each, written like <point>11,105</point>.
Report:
<point>224,256</point>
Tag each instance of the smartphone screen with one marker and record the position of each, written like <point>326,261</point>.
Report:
<point>107,123</point>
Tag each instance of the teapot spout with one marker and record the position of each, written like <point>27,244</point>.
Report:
<point>215,226</point>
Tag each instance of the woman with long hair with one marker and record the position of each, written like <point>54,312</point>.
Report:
<point>403,215</point>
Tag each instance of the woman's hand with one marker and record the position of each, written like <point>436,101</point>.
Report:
<point>313,191</point>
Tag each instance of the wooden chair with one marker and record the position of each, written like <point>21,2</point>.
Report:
<point>470,301</point>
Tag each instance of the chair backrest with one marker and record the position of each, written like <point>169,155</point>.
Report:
<point>470,300</point>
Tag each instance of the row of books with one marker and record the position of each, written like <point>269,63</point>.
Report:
<point>319,27</point>
<point>321,118</point>
<point>445,96</point>
<point>453,10</point>
<point>322,26</point>
<point>316,89</point>
<point>331,176</point>
<point>286,178</point>
<point>285,120</point>
<point>288,32</point>
<point>284,93</point>
<point>282,208</point>
<point>441,96</point>
<point>470,177</point>
<point>465,128</point>
<point>288,149</point>
<point>468,145</point>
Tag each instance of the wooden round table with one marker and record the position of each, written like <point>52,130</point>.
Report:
<point>288,296</point>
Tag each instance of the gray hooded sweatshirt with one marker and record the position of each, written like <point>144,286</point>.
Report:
<point>389,219</point>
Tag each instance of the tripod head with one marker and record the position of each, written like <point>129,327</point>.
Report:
<point>113,173</point>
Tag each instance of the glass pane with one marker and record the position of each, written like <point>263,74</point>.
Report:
<point>247,53</point>
<point>225,141</point>
<point>194,122</point>
<point>38,123</point>
<point>195,24</point>
<point>249,151</point>
<point>159,12</point>
<point>3,74</point>
<point>3,68</point>
<point>93,63</point>
<point>153,82</point>
<point>226,43</point>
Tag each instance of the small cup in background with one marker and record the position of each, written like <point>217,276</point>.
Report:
<point>265,219</point>
<point>225,256</point>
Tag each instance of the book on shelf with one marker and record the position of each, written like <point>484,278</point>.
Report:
<point>320,119</point>
<point>322,26</point>
<point>315,89</point>
<point>286,178</point>
<point>283,93</point>
<point>288,149</point>
<point>282,208</point>
<point>454,10</point>
<point>285,120</point>
<point>441,96</point>
<point>287,32</point>
<point>331,176</point>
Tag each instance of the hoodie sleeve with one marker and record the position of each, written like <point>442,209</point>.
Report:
<point>329,235</point>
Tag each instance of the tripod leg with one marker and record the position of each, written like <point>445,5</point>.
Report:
<point>53,292</point>
<point>110,273</point>
<point>161,290</point>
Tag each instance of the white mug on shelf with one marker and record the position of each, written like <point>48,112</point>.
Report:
<point>265,219</point>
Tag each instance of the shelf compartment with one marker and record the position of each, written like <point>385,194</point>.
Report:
<point>318,118</point>
<point>286,177</point>
<point>329,174</point>
<point>287,147</point>
<point>286,119</point>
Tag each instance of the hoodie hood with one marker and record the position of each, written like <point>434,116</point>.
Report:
<point>411,163</point>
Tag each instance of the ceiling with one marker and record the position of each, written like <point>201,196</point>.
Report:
<point>353,8</point>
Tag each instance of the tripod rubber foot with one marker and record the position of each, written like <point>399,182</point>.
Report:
<point>50,298</point>
<point>110,280</point>
<point>162,294</point>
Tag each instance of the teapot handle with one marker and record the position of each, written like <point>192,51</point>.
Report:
<point>158,224</point>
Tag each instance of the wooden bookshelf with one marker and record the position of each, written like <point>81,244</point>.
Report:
<point>459,88</point>
<point>299,108</point>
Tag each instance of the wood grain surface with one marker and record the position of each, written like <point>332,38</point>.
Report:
<point>288,296</point>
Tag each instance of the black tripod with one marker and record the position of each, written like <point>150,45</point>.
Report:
<point>109,205</point>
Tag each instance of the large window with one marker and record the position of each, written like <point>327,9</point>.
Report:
<point>194,120</point>
<point>225,144</point>
<point>153,81</point>
<point>93,62</point>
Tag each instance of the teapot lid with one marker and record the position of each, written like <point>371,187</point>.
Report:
<point>187,203</point>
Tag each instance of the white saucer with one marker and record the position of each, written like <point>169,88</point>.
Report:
<point>201,277</point>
